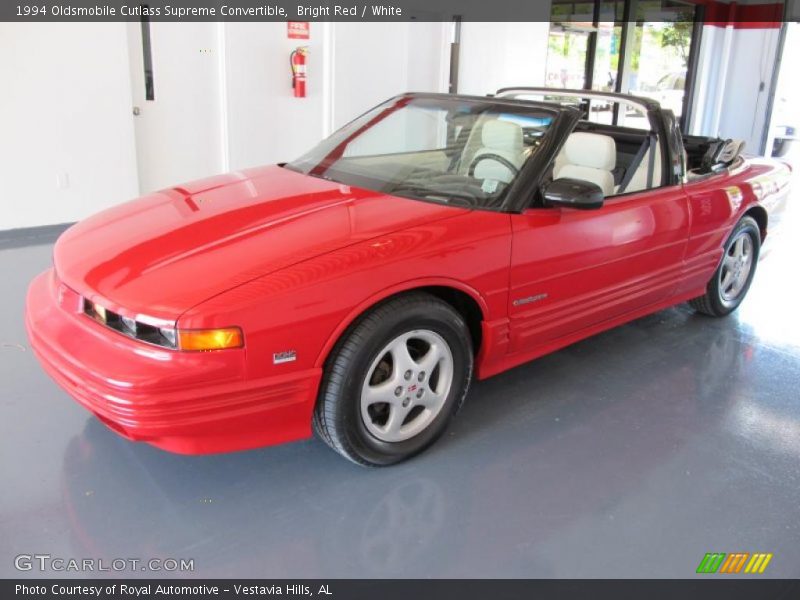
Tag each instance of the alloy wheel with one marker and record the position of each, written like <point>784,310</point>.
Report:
<point>736,267</point>
<point>406,385</point>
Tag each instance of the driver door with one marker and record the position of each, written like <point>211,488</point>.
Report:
<point>573,269</point>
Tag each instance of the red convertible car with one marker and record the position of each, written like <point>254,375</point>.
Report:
<point>357,289</point>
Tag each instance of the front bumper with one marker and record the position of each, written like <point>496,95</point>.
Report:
<point>185,402</point>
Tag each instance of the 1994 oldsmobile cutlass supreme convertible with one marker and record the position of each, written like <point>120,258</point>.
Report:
<point>356,289</point>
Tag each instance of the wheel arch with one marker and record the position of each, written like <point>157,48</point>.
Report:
<point>759,214</point>
<point>464,299</point>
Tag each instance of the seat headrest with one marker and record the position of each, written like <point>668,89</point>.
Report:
<point>591,150</point>
<point>502,135</point>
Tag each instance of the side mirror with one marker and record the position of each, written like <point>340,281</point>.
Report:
<point>573,193</point>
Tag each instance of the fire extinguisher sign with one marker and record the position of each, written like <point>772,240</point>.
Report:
<point>298,30</point>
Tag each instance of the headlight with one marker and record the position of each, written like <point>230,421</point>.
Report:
<point>166,337</point>
<point>129,324</point>
<point>171,335</point>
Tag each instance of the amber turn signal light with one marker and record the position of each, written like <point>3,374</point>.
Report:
<point>210,339</point>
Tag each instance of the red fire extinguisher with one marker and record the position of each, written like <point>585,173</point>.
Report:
<point>297,60</point>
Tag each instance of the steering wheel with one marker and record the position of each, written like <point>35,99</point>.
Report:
<point>495,157</point>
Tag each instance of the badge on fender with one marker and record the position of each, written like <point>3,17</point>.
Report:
<point>284,357</point>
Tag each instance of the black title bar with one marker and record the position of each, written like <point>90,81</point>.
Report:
<point>710,588</point>
<point>767,12</point>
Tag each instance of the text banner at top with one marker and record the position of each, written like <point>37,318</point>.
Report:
<point>577,13</point>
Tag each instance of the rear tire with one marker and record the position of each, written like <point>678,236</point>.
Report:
<point>731,281</point>
<point>395,380</point>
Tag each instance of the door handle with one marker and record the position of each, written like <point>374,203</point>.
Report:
<point>136,111</point>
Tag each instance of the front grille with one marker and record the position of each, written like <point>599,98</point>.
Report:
<point>150,334</point>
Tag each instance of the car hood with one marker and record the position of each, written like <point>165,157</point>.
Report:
<point>166,252</point>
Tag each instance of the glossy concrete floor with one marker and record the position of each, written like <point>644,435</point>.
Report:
<point>630,454</point>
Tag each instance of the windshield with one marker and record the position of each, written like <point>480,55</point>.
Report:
<point>442,149</point>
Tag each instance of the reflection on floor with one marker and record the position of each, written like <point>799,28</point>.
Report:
<point>630,454</point>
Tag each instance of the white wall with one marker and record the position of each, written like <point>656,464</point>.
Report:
<point>373,63</point>
<point>179,134</point>
<point>744,109</point>
<point>65,115</point>
<point>786,111</point>
<point>266,124</point>
<point>350,69</point>
<point>494,55</point>
<point>735,70</point>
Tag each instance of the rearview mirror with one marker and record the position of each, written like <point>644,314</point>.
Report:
<point>573,193</point>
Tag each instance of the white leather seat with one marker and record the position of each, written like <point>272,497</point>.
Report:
<point>589,157</point>
<point>504,139</point>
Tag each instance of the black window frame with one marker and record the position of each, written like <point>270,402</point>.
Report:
<point>527,194</point>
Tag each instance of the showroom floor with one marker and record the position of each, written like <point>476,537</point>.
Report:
<point>630,454</point>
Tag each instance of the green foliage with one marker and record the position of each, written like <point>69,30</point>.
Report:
<point>678,36</point>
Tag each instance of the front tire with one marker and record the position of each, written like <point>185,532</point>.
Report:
<point>395,380</point>
<point>731,281</point>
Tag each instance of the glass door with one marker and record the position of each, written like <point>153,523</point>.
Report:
<point>640,47</point>
<point>566,55</point>
<point>660,53</point>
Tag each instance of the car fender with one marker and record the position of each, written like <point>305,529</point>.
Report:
<point>393,290</point>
